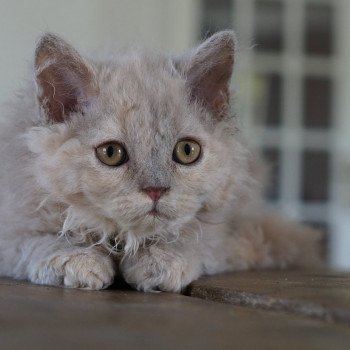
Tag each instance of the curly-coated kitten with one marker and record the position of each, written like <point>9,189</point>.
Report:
<point>134,164</point>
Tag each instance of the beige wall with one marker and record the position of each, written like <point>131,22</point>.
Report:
<point>89,25</point>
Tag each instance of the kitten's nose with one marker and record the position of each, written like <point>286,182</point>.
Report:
<point>155,192</point>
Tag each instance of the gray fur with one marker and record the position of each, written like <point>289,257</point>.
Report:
<point>66,218</point>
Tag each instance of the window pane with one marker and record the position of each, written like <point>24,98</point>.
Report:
<point>217,15</point>
<point>315,179</point>
<point>267,99</point>
<point>319,29</point>
<point>268,25</point>
<point>272,156</point>
<point>317,102</point>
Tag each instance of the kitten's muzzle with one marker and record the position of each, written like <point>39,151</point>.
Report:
<point>155,192</point>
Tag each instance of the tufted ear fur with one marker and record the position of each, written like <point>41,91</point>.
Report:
<point>65,80</point>
<point>208,70</point>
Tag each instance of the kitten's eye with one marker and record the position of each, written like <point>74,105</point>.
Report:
<point>112,153</point>
<point>186,152</point>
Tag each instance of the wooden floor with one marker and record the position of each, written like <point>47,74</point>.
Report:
<point>257,310</point>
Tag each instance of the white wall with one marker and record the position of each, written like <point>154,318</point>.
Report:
<point>89,25</point>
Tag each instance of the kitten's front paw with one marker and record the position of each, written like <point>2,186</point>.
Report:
<point>157,269</point>
<point>78,269</point>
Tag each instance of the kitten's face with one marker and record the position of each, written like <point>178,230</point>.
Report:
<point>144,106</point>
<point>148,124</point>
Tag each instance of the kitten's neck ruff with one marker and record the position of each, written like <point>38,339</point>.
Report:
<point>80,227</point>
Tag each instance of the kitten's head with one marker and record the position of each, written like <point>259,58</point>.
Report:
<point>140,143</point>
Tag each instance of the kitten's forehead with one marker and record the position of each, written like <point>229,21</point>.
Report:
<point>143,102</point>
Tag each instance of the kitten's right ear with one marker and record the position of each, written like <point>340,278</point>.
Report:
<point>208,69</point>
<point>65,80</point>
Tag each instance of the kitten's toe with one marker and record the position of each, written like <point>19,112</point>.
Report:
<point>78,269</point>
<point>89,271</point>
<point>158,270</point>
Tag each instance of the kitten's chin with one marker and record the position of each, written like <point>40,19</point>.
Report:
<point>154,220</point>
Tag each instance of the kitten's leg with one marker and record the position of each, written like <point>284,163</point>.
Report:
<point>292,244</point>
<point>166,267</point>
<point>268,243</point>
<point>54,261</point>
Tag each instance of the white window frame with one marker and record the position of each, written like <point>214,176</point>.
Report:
<point>291,138</point>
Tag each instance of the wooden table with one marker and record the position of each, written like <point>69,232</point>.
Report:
<point>250,310</point>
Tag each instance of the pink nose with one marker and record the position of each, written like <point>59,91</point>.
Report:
<point>155,192</point>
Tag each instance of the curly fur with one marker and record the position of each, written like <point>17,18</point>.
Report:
<point>66,218</point>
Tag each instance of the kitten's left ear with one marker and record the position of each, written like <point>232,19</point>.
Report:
<point>65,80</point>
<point>208,70</point>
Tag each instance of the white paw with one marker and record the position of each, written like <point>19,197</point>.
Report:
<point>76,269</point>
<point>156,269</point>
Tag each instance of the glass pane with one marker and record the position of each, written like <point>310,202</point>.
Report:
<point>268,31</point>
<point>267,99</point>
<point>272,156</point>
<point>319,29</point>
<point>217,15</point>
<point>315,181</point>
<point>317,102</point>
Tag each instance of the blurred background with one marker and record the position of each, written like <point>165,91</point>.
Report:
<point>292,81</point>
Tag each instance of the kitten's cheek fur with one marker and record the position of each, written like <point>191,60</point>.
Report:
<point>77,268</point>
<point>156,269</point>
<point>51,181</point>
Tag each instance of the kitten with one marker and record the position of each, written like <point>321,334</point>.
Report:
<point>134,164</point>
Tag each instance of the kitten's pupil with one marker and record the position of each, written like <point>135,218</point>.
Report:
<point>187,149</point>
<point>110,151</point>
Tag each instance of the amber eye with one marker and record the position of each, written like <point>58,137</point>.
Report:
<point>186,152</point>
<point>112,154</point>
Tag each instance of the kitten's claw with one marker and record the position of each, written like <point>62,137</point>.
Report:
<point>78,269</point>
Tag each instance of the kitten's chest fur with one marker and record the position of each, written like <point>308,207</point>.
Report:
<point>138,157</point>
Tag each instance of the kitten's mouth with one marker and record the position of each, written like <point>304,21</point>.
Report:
<point>155,213</point>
